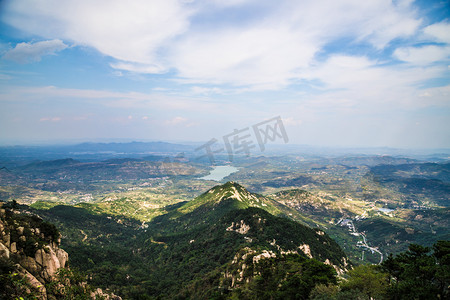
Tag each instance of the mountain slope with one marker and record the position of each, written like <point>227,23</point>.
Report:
<point>232,195</point>
<point>224,236</point>
<point>354,223</point>
<point>219,244</point>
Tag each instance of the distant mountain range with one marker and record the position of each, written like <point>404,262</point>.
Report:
<point>420,182</point>
<point>14,155</point>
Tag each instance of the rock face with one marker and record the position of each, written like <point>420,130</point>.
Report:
<point>4,251</point>
<point>241,227</point>
<point>33,246</point>
<point>47,260</point>
<point>34,250</point>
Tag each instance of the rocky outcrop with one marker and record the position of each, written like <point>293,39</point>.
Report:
<point>305,249</point>
<point>32,245</point>
<point>4,251</point>
<point>48,261</point>
<point>34,283</point>
<point>241,227</point>
<point>36,254</point>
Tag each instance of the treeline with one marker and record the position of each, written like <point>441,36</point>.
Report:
<point>421,273</point>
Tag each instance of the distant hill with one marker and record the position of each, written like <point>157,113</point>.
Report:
<point>417,170</point>
<point>366,160</point>
<point>58,163</point>
<point>391,234</point>
<point>132,147</point>
<point>12,156</point>
<point>63,174</point>
<point>420,182</point>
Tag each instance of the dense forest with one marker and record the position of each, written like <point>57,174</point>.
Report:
<point>223,249</point>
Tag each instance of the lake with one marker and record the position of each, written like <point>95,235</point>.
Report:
<point>219,173</point>
<point>385,210</point>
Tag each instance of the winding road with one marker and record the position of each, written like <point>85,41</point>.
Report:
<point>363,243</point>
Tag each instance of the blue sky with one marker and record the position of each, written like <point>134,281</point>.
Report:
<point>339,73</point>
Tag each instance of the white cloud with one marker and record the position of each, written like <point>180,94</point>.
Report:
<point>122,100</point>
<point>359,86</point>
<point>48,119</point>
<point>436,96</point>
<point>270,53</point>
<point>440,32</point>
<point>256,56</point>
<point>378,22</point>
<point>31,52</point>
<point>348,97</point>
<point>180,121</point>
<point>206,90</point>
<point>128,31</point>
<point>354,73</point>
<point>267,49</point>
<point>176,121</point>
<point>346,112</point>
<point>422,55</point>
<point>290,121</point>
<point>138,67</point>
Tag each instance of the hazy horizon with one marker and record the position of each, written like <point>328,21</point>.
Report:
<point>337,73</point>
<point>271,148</point>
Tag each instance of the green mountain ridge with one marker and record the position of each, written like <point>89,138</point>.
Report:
<point>218,245</point>
<point>237,197</point>
<point>219,203</point>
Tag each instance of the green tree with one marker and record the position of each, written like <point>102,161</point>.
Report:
<point>69,284</point>
<point>333,292</point>
<point>442,255</point>
<point>417,274</point>
<point>370,280</point>
<point>324,292</point>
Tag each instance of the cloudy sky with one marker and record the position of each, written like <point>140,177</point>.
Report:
<point>338,72</point>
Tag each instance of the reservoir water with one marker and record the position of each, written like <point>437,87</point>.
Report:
<point>219,173</point>
<point>385,210</point>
